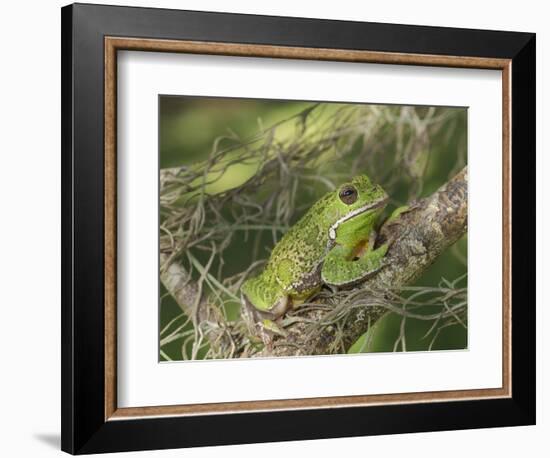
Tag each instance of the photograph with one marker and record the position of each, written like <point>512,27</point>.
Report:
<point>291,228</point>
<point>280,220</point>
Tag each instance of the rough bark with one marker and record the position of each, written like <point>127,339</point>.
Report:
<point>417,237</point>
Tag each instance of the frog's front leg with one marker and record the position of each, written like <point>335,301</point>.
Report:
<point>341,267</point>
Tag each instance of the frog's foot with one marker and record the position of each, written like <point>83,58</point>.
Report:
<point>395,220</point>
<point>266,330</point>
<point>394,217</point>
<point>262,322</point>
<point>274,327</point>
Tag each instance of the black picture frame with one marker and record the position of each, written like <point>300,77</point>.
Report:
<point>84,427</point>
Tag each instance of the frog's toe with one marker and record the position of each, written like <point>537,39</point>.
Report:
<point>274,327</point>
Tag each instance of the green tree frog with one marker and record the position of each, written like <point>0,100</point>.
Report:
<point>332,244</point>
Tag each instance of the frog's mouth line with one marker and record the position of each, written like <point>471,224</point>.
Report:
<point>357,211</point>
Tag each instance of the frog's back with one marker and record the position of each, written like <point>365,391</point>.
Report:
<point>296,259</point>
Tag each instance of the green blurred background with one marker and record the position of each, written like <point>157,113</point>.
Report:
<point>189,127</point>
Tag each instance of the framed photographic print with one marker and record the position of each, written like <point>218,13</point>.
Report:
<point>271,222</point>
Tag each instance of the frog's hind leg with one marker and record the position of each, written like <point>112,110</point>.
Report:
<point>264,321</point>
<point>343,268</point>
<point>267,303</point>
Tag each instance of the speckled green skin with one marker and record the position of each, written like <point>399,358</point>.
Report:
<point>331,244</point>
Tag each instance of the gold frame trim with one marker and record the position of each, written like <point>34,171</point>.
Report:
<point>114,44</point>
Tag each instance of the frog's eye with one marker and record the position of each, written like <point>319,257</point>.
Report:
<point>348,195</point>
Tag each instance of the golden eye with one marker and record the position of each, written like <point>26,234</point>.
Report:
<point>348,195</point>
